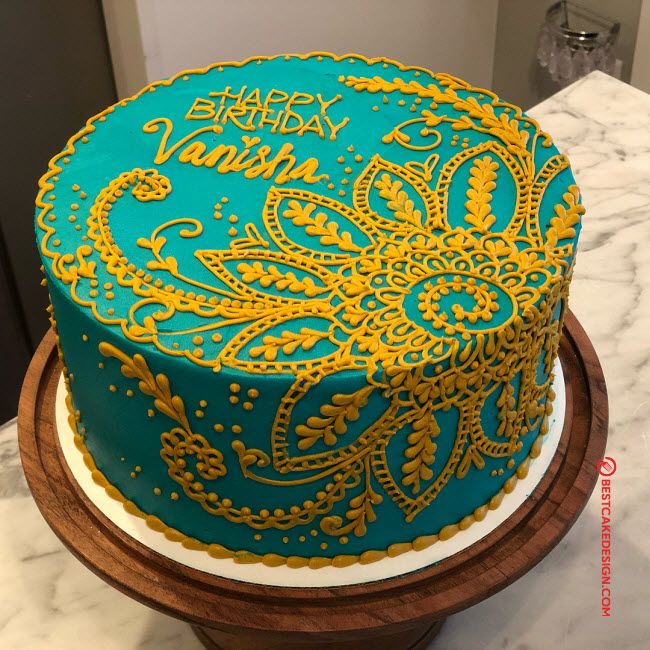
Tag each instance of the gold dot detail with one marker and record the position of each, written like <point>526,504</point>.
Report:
<point>248,406</point>
<point>235,428</point>
<point>113,388</point>
<point>151,413</point>
<point>199,413</point>
<point>129,393</point>
<point>174,496</point>
<point>197,340</point>
<point>234,399</point>
<point>157,491</point>
<point>217,338</point>
<point>203,403</point>
<point>253,393</point>
<point>218,428</point>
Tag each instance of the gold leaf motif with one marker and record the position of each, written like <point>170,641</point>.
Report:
<point>421,450</point>
<point>401,189</point>
<point>481,183</point>
<point>562,224</point>
<point>507,411</point>
<point>272,276</point>
<point>181,442</point>
<point>343,408</point>
<point>359,513</point>
<point>288,342</point>
<point>398,200</point>
<point>319,226</point>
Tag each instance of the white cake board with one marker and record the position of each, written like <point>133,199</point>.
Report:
<point>306,577</point>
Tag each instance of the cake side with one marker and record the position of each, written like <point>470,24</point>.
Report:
<point>374,344</point>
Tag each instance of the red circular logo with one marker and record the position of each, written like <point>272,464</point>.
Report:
<point>606,466</point>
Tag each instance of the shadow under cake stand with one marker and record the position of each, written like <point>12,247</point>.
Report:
<point>406,611</point>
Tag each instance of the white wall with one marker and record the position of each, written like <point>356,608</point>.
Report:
<point>444,35</point>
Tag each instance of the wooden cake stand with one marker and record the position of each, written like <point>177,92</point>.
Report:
<point>402,612</point>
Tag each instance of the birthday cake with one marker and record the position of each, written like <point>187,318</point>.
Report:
<point>308,306</point>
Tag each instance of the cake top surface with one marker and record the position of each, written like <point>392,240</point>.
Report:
<point>309,213</point>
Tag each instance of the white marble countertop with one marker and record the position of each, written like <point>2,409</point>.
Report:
<point>50,600</point>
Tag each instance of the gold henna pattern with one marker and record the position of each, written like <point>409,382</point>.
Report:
<point>181,442</point>
<point>389,290</point>
<point>478,344</point>
<point>294,561</point>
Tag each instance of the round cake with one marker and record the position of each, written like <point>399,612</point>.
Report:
<point>308,306</point>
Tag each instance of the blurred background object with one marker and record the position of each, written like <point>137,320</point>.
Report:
<point>517,72</point>
<point>575,41</point>
<point>64,61</point>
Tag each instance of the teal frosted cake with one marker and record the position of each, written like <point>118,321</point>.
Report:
<point>308,306</point>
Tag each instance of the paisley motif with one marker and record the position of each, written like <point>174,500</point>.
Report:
<point>433,298</point>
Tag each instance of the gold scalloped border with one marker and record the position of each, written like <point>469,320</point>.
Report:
<point>217,550</point>
<point>297,561</point>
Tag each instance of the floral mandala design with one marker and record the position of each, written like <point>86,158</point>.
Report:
<point>433,316</point>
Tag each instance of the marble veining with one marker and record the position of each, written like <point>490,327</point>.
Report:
<point>50,600</point>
